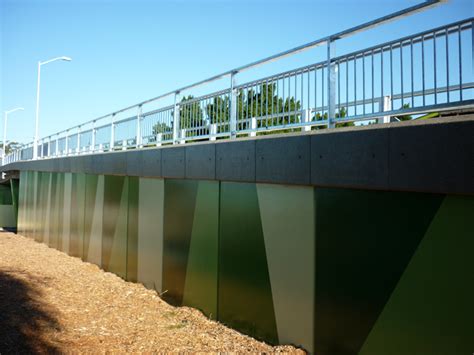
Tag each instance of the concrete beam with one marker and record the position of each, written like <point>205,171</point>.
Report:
<point>435,156</point>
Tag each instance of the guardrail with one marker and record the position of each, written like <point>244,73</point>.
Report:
<point>431,71</point>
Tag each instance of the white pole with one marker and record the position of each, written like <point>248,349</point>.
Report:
<point>35,141</point>
<point>5,131</point>
<point>4,137</point>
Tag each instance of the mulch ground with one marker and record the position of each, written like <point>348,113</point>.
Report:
<point>53,303</point>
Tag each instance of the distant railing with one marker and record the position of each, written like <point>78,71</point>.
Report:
<point>431,71</point>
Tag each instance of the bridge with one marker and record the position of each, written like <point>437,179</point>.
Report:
<point>329,206</point>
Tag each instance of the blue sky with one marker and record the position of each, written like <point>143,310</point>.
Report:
<point>128,51</point>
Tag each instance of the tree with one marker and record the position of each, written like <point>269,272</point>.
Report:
<point>10,146</point>
<point>190,118</point>
<point>340,114</point>
<point>404,117</point>
<point>269,109</point>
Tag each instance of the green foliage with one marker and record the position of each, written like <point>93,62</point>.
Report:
<point>160,128</point>
<point>190,115</point>
<point>10,146</point>
<point>218,112</point>
<point>405,117</point>
<point>265,103</point>
<point>340,114</point>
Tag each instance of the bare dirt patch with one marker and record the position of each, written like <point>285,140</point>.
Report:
<point>53,303</point>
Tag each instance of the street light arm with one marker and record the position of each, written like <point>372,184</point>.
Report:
<point>68,59</point>
<point>15,109</point>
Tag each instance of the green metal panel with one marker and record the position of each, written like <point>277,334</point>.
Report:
<point>36,215</point>
<point>60,210</point>
<point>41,209</point>
<point>114,229</point>
<point>364,240</point>
<point>53,217</point>
<point>245,295</point>
<point>431,310</point>
<point>94,205</point>
<point>22,202</point>
<point>180,200</point>
<point>5,195</point>
<point>29,220</point>
<point>150,233</point>
<point>66,233</point>
<point>132,229</point>
<point>44,208</point>
<point>14,185</point>
<point>287,214</point>
<point>7,216</point>
<point>200,287</point>
<point>76,231</point>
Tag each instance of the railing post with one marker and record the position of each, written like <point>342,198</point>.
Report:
<point>56,151</point>
<point>159,138</point>
<point>49,146</point>
<point>78,148</point>
<point>112,133</point>
<point>138,140</point>
<point>176,119</point>
<point>94,133</point>
<point>212,131</point>
<point>306,119</point>
<point>233,106</point>
<point>331,45</point>
<point>66,144</point>
<point>253,127</point>
<point>387,106</point>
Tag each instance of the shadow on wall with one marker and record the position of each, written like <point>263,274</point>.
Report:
<point>25,319</point>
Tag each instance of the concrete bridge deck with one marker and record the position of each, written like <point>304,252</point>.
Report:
<point>435,155</point>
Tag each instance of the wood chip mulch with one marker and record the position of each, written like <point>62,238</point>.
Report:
<point>53,303</point>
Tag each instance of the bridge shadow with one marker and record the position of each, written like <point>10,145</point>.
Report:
<point>24,317</point>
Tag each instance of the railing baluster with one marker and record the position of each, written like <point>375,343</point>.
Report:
<point>401,73</point>
<point>331,84</point>
<point>447,64</point>
<point>78,149</point>
<point>391,71</point>
<point>460,63</point>
<point>233,106</point>
<point>363,83</point>
<point>138,139</point>
<point>435,69</point>
<point>372,77</point>
<point>176,119</point>
<point>412,75</point>
<point>381,78</point>
<point>66,145</point>
<point>355,85</point>
<point>112,133</point>
<point>423,68</point>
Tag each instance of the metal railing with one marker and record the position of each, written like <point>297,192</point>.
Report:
<point>431,71</point>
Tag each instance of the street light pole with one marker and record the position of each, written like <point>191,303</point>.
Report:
<point>5,131</point>
<point>35,141</point>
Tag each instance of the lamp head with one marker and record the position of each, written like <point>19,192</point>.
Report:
<point>67,59</point>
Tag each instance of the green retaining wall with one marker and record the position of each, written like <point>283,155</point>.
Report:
<point>9,204</point>
<point>335,271</point>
